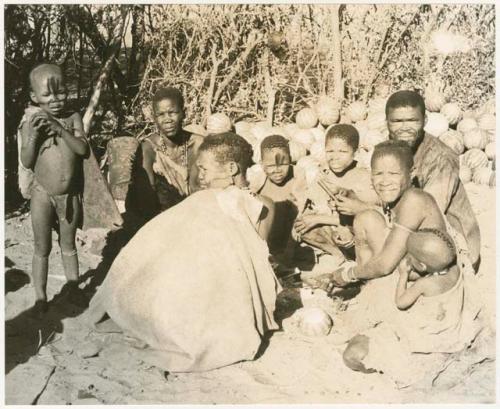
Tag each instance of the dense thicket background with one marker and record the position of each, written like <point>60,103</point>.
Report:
<point>249,61</point>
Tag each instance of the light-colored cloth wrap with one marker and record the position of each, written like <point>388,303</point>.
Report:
<point>195,283</point>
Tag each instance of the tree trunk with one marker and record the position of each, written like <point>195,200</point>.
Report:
<point>137,49</point>
<point>105,71</point>
<point>338,91</point>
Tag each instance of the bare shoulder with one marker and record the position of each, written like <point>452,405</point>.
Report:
<point>147,147</point>
<point>416,196</point>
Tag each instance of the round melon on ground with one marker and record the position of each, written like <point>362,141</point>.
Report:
<point>475,138</point>
<point>304,137</point>
<point>357,111</point>
<point>218,123</point>
<point>376,121</point>
<point>261,129</point>
<point>474,158</point>
<point>454,140</point>
<point>436,124</point>
<point>484,176</point>
<point>452,112</point>
<point>490,150</point>
<point>297,150</point>
<point>328,110</point>
<point>487,122</point>
<point>467,124</point>
<point>317,151</point>
<point>306,118</point>
<point>434,99</point>
<point>371,138</point>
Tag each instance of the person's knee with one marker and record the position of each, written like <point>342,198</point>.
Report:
<point>356,350</point>
<point>43,248</point>
<point>67,245</point>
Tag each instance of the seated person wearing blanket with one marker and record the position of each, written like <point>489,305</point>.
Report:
<point>437,314</point>
<point>195,282</point>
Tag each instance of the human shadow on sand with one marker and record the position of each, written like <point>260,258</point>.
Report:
<point>26,333</point>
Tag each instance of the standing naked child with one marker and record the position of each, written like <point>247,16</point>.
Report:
<point>350,184</point>
<point>284,185</point>
<point>53,145</point>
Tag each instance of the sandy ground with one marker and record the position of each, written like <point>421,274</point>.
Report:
<point>58,360</point>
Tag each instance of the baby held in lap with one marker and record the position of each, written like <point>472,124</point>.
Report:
<point>436,313</point>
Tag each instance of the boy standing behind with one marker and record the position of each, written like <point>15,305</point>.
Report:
<point>284,185</point>
<point>52,146</point>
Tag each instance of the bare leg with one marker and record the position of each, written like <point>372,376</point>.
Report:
<point>356,350</point>
<point>370,232</point>
<point>67,233</point>
<point>42,213</point>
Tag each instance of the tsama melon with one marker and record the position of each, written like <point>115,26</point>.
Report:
<point>475,138</point>
<point>306,118</point>
<point>436,124</point>
<point>454,140</point>
<point>434,99</point>
<point>328,110</point>
<point>452,112</point>
<point>357,111</point>
<point>467,124</point>
<point>474,158</point>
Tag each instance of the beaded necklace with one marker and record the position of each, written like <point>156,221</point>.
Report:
<point>166,150</point>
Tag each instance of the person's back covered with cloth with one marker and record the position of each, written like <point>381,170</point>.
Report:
<point>195,282</point>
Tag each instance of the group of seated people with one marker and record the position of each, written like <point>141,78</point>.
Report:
<point>409,214</point>
<point>195,282</point>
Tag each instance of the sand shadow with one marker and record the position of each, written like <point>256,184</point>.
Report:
<point>15,279</point>
<point>27,332</point>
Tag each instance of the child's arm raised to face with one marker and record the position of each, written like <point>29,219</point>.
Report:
<point>76,140</point>
<point>31,135</point>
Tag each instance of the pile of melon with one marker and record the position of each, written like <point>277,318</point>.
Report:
<point>470,134</point>
<point>307,135</point>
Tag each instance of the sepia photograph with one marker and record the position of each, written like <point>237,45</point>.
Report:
<point>249,204</point>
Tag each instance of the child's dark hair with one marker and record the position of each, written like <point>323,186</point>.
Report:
<point>348,133</point>
<point>229,147</point>
<point>275,141</point>
<point>405,99</point>
<point>170,93</point>
<point>43,66</point>
<point>399,149</point>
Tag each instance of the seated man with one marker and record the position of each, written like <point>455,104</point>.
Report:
<point>435,166</point>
